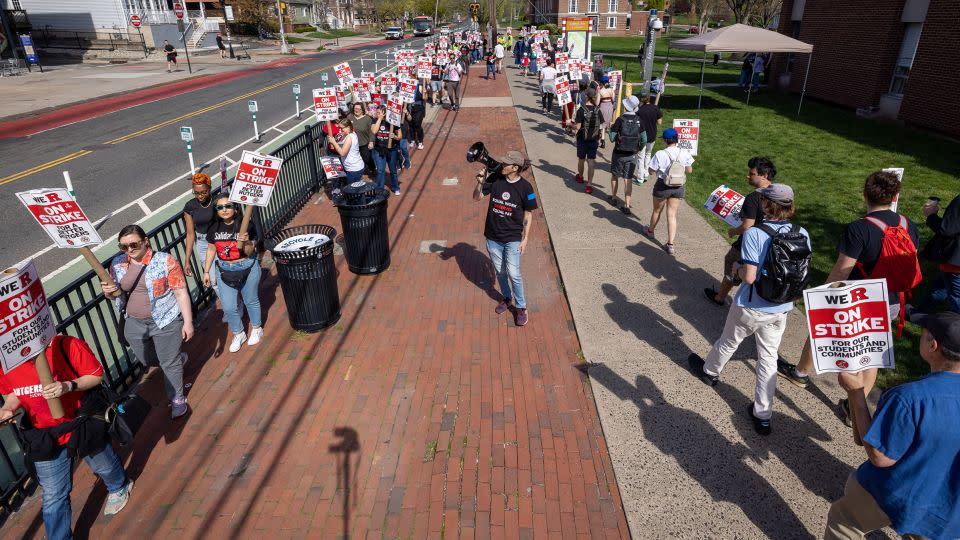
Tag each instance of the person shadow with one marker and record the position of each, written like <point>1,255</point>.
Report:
<point>706,455</point>
<point>474,265</point>
<point>646,324</point>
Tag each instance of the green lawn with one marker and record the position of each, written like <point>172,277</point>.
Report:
<point>333,34</point>
<point>295,39</point>
<point>631,45</point>
<point>825,156</point>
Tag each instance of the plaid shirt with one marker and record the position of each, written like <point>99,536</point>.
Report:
<point>162,275</point>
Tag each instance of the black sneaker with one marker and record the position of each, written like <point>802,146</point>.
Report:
<point>696,366</point>
<point>789,371</point>
<point>762,427</point>
<point>843,411</point>
<point>711,295</point>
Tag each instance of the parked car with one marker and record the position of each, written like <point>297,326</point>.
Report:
<point>694,29</point>
<point>394,32</point>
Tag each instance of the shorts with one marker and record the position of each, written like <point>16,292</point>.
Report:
<point>731,257</point>
<point>623,165</point>
<point>663,191</point>
<point>587,149</point>
<point>436,85</point>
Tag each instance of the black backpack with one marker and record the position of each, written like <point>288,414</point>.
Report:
<point>785,272</point>
<point>591,123</point>
<point>631,136</point>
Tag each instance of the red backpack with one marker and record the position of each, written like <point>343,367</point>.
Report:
<point>898,261</point>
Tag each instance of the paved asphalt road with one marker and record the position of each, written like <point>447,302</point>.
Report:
<point>113,175</point>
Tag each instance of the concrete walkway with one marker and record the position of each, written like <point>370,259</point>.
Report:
<point>687,460</point>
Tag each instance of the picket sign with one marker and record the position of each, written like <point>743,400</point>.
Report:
<point>26,325</point>
<point>563,62</point>
<point>849,325</point>
<point>395,111</point>
<point>325,104</point>
<point>424,67</point>
<point>388,83</point>
<point>408,90</point>
<point>344,73</point>
<point>574,68</point>
<point>361,92</point>
<point>688,131</point>
<point>563,93</point>
<point>726,204</point>
<point>332,167</point>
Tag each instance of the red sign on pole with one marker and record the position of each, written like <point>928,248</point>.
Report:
<point>135,21</point>
<point>178,10</point>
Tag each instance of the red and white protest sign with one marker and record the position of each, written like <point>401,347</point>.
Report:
<point>424,67</point>
<point>541,62</point>
<point>615,77</point>
<point>429,49</point>
<point>444,42</point>
<point>408,90</point>
<point>726,204</point>
<point>368,78</point>
<point>443,57</point>
<point>574,68</point>
<point>361,91</point>
<point>342,96</point>
<point>563,90</point>
<point>850,326</point>
<point>332,167</point>
<point>256,176</point>
<point>563,62</point>
<point>388,83</point>
<point>61,217</point>
<point>394,112</point>
<point>586,66</point>
<point>688,131</point>
<point>344,73</point>
<point>26,327</point>
<point>325,104</point>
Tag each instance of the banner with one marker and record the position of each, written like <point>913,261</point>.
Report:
<point>332,167</point>
<point>256,176</point>
<point>726,204</point>
<point>689,134</point>
<point>850,326</point>
<point>61,217</point>
<point>361,92</point>
<point>26,327</point>
<point>408,90</point>
<point>563,90</point>
<point>344,73</point>
<point>388,83</point>
<point>325,103</point>
<point>394,111</point>
<point>424,67</point>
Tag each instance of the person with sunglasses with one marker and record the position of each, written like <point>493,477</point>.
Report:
<point>237,272</point>
<point>152,298</point>
<point>198,214</point>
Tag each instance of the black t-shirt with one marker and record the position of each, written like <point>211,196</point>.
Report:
<point>382,137</point>
<point>751,209</point>
<point>202,217</point>
<point>168,48</point>
<point>224,238</point>
<point>436,72</point>
<point>508,202</point>
<point>863,240</point>
<point>649,114</point>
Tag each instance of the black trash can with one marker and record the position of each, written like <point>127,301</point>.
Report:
<point>308,275</point>
<point>363,215</point>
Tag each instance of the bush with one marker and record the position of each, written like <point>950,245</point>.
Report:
<point>324,25</point>
<point>302,28</point>
<point>554,29</point>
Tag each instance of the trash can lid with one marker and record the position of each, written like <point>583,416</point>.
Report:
<point>359,187</point>
<point>301,242</point>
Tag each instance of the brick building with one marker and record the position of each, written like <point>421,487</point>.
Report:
<point>610,17</point>
<point>900,56</point>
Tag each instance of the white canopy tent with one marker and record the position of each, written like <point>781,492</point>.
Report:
<point>744,38</point>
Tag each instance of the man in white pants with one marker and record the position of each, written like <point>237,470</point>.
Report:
<point>650,117</point>
<point>752,315</point>
<point>499,52</point>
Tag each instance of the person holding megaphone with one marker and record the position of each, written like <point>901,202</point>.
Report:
<point>509,217</point>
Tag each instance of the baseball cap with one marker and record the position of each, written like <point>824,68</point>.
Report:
<point>670,133</point>
<point>512,158</point>
<point>779,193</point>
<point>944,327</point>
<point>630,103</point>
<point>604,79</point>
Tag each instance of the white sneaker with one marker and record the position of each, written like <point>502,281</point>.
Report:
<point>116,501</point>
<point>419,146</point>
<point>237,342</point>
<point>255,335</point>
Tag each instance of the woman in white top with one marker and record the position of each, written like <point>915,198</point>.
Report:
<point>664,195</point>
<point>548,85</point>
<point>349,149</point>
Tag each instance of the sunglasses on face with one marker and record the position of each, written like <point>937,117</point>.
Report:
<point>224,207</point>
<point>131,246</point>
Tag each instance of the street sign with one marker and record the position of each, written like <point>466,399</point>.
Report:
<point>252,105</point>
<point>296,89</point>
<point>228,10</point>
<point>324,76</point>
<point>135,21</point>
<point>178,10</point>
<point>186,133</point>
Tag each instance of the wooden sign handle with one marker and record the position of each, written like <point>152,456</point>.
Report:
<point>245,222</point>
<point>97,267</point>
<point>43,373</point>
<point>663,83</point>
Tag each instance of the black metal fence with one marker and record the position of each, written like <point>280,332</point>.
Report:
<point>81,310</point>
<point>100,41</point>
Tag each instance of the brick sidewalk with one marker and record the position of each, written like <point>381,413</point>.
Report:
<point>464,425</point>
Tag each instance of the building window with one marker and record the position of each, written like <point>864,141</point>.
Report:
<point>612,6</point>
<point>573,7</point>
<point>593,6</point>
<point>611,23</point>
<point>908,49</point>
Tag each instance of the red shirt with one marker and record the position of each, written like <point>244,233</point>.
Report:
<point>24,383</point>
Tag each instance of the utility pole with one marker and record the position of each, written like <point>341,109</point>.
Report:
<point>492,9</point>
<point>283,35</point>
<point>226,24</point>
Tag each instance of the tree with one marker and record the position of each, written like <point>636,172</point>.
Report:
<point>765,11</point>
<point>742,9</point>
<point>703,10</point>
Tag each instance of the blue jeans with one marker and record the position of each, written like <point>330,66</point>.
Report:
<point>384,159</point>
<point>744,78</point>
<point>404,152</point>
<point>354,176</point>
<point>56,479</point>
<point>506,262</point>
<point>229,297</point>
<point>945,288</point>
<point>201,246</point>
<point>492,69</point>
